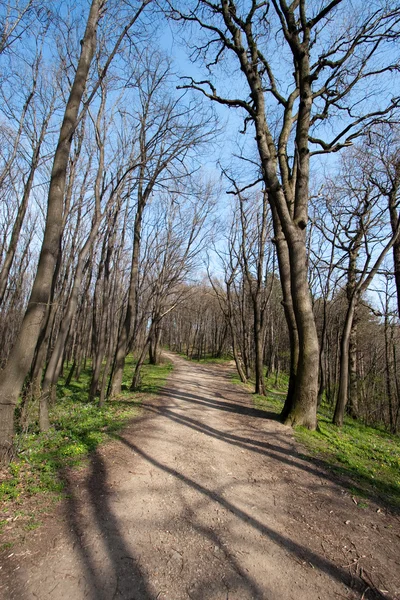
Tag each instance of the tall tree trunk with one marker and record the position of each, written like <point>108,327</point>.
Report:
<point>284,272</point>
<point>12,377</point>
<point>388,364</point>
<point>53,368</point>
<point>9,258</point>
<point>303,411</point>
<point>124,335</point>
<point>394,222</point>
<point>235,349</point>
<point>353,375</point>
<point>344,365</point>
<point>259,351</point>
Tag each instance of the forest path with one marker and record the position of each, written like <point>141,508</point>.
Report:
<point>204,497</point>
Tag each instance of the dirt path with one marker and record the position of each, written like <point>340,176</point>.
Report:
<point>204,498</point>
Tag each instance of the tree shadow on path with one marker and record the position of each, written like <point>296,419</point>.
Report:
<point>122,571</point>
<point>342,476</point>
<point>296,550</point>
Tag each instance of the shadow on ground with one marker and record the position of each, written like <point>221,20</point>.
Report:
<point>350,479</point>
<point>125,569</point>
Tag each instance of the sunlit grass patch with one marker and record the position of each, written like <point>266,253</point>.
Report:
<point>370,456</point>
<point>77,428</point>
<point>212,360</point>
<point>154,377</point>
<point>275,388</point>
<point>367,455</point>
<point>270,402</point>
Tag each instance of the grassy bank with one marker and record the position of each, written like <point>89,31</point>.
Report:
<point>369,458</point>
<point>77,428</point>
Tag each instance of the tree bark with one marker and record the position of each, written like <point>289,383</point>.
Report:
<point>344,365</point>
<point>394,222</point>
<point>353,375</point>
<point>12,378</point>
<point>124,334</point>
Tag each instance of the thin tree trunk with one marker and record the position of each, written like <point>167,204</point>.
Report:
<point>344,365</point>
<point>259,351</point>
<point>123,339</point>
<point>353,375</point>
<point>284,272</point>
<point>9,258</point>
<point>20,359</point>
<point>236,357</point>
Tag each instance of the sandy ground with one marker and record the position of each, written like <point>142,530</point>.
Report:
<point>204,497</point>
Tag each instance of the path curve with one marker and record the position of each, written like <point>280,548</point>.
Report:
<point>203,497</point>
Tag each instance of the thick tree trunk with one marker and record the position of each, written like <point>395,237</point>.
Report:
<point>304,409</point>
<point>154,347</point>
<point>12,377</point>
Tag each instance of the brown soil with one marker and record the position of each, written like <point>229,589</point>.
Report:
<point>205,497</point>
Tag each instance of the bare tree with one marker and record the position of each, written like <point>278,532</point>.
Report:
<point>354,227</point>
<point>38,109</point>
<point>15,20</point>
<point>287,100</point>
<point>20,359</point>
<point>168,133</point>
<point>381,152</point>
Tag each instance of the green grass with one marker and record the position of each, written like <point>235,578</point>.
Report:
<point>276,392</point>
<point>366,456</point>
<point>221,360</point>
<point>369,456</point>
<point>77,428</point>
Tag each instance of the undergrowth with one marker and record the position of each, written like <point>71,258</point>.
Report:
<point>77,428</point>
